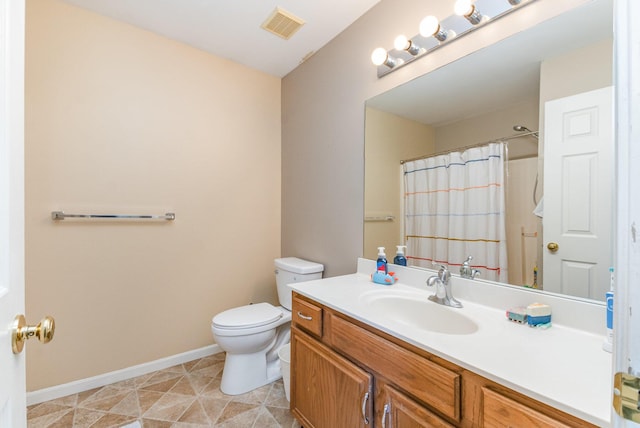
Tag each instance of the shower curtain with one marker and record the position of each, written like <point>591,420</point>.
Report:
<point>455,207</point>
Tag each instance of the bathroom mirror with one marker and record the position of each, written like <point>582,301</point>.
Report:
<point>480,98</point>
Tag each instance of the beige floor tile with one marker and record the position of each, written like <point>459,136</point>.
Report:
<point>129,405</point>
<point>85,417</point>
<point>183,396</point>
<point>195,414</point>
<point>213,407</point>
<point>242,419</point>
<point>152,423</point>
<point>146,399</point>
<point>169,407</point>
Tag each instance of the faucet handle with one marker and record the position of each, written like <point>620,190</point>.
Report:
<point>444,274</point>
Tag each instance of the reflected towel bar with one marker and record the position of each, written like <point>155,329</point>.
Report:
<point>380,218</point>
<point>59,215</point>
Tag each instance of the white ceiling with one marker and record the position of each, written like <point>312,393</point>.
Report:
<point>232,28</point>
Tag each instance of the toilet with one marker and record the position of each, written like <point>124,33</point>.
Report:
<point>252,334</point>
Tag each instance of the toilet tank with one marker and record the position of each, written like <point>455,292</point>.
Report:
<point>290,270</point>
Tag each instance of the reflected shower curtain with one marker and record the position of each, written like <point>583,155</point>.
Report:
<point>455,207</point>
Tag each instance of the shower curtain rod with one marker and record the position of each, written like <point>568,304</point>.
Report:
<point>462,149</point>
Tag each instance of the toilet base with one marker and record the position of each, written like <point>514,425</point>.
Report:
<point>245,372</point>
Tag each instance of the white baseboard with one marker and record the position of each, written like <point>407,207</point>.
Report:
<point>51,393</point>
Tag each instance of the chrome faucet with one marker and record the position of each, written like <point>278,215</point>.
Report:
<point>443,294</point>
<point>466,271</point>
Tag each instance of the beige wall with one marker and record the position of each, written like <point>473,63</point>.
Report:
<point>121,120</point>
<point>390,139</point>
<point>323,122</point>
<point>579,71</point>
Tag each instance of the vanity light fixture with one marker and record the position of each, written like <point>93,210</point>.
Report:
<point>430,27</point>
<point>379,56</point>
<point>401,43</point>
<point>435,33</point>
<point>469,11</point>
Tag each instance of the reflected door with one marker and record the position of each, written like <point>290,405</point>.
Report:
<point>12,376</point>
<point>578,189</point>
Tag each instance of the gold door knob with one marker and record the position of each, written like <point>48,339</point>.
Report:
<point>552,246</point>
<point>21,332</point>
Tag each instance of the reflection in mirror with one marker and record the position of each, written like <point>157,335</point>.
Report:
<point>481,98</point>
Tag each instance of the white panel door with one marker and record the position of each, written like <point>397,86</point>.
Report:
<point>578,171</point>
<point>12,374</point>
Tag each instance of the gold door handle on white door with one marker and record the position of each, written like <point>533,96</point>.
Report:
<point>21,332</point>
<point>553,247</point>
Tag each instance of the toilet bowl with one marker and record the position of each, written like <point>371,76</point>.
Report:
<point>252,334</point>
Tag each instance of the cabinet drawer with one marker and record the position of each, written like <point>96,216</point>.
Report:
<point>307,316</point>
<point>501,411</point>
<point>425,380</point>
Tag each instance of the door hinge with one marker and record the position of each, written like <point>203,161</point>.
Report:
<point>626,396</point>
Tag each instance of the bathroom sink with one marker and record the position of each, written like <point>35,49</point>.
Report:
<point>413,309</point>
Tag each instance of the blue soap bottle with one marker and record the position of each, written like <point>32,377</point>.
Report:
<point>608,341</point>
<point>400,259</point>
<point>381,263</point>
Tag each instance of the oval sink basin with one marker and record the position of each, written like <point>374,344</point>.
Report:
<point>415,310</point>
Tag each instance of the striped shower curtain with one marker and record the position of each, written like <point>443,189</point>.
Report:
<point>455,207</point>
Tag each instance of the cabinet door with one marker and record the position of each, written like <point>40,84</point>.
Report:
<point>327,391</point>
<point>502,412</point>
<point>395,409</point>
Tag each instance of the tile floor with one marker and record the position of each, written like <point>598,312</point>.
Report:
<point>186,395</point>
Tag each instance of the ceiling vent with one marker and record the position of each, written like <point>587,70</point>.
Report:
<point>282,23</point>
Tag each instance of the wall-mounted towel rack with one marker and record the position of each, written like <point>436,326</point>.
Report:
<point>380,218</point>
<point>59,215</point>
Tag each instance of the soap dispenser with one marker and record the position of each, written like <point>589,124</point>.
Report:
<point>381,263</point>
<point>400,259</point>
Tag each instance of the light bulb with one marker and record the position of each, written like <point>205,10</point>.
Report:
<point>429,26</point>
<point>463,7</point>
<point>379,56</point>
<point>401,42</point>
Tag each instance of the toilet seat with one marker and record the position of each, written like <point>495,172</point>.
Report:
<point>248,316</point>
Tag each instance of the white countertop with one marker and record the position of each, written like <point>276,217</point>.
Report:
<point>562,366</point>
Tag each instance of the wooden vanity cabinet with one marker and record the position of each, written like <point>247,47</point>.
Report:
<point>332,391</point>
<point>347,374</point>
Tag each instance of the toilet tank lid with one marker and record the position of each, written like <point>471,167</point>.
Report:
<point>296,265</point>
